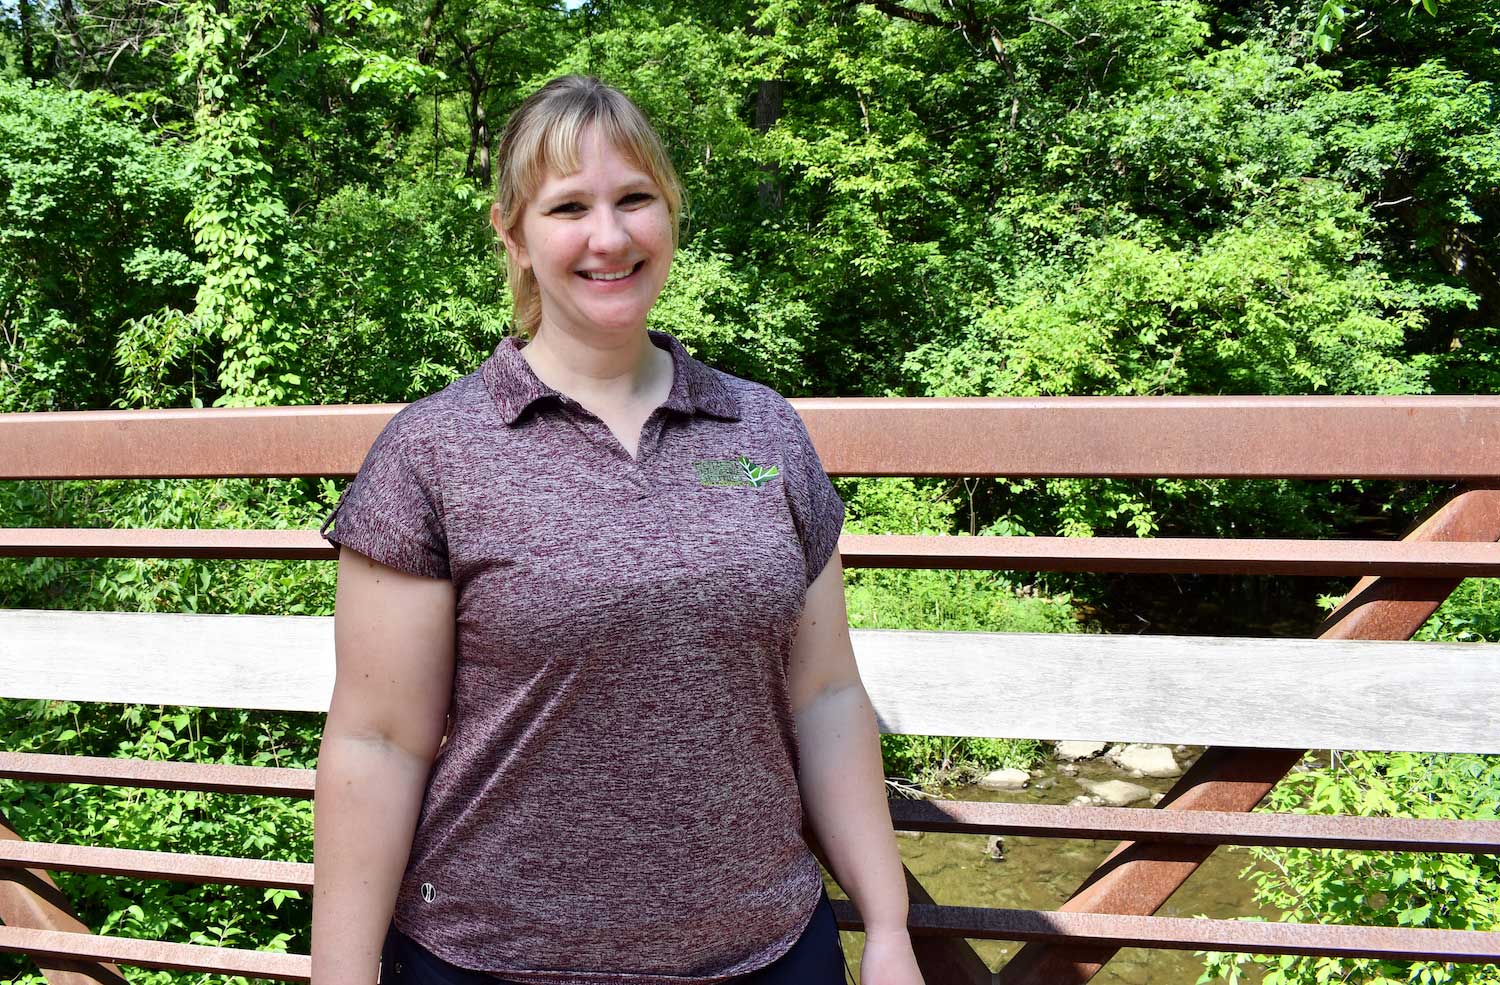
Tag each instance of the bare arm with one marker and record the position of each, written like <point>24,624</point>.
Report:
<point>393,636</point>
<point>842,782</point>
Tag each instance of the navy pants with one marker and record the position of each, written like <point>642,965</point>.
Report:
<point>816,959</point>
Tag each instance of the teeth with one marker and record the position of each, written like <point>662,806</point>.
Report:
<point>598,276</point>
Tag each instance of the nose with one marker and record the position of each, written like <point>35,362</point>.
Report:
<point>608,233</point>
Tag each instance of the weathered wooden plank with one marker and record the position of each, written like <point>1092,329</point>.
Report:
<point>1255,693</point>
<point>1434,437</point>
<point>1167,555</point>
<point>271,663</point>
<point>1199,690</point>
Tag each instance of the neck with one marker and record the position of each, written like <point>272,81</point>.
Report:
<point>595,374</point>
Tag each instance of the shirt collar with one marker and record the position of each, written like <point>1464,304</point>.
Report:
<point>695,387</point>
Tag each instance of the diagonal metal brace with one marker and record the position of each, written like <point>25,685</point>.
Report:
<point>1139,877</point>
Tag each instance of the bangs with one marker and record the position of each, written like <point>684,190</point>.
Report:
<point>553,148</point>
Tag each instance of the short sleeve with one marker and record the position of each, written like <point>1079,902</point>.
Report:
<point>391,511</point>
<point>817,509</point>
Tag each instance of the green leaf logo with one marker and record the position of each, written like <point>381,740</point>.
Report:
<point>755,474</point>
<point>734,472</point>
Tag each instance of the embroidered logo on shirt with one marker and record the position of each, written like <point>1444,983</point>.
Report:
<point>429,892</point>
<point>734,472</point>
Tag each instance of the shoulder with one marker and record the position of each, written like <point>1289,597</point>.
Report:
<point>758,404</point>
<point>421,430</point>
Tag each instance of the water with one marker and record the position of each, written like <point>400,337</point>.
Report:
<point>1040,873</point>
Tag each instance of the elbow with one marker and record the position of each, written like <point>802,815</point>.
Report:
<point>835,694</point>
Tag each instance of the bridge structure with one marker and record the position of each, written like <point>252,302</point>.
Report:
<point>1257,704</point>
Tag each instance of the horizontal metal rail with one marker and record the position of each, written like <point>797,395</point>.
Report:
<point>1172,933</point>
<point>1163,555</point>
<point>170,866</point>
<point>156,954</point>
<point>961,817</point>
<point>157,774</point>
<point>1194,934</point>
<point>1200,827</point>
<point>1427,437</point>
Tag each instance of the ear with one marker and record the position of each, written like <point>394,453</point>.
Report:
<point>511,238</point>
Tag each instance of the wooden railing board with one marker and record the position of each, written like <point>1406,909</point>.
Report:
<point>1432,697</point>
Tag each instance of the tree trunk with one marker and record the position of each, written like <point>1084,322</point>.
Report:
<point>427,46</point>
<point>478,164</point>
<point>767,112</point>
<point>28,58</point>
<point>482,140</point>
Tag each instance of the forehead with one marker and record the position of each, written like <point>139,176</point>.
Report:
<point>592,159</point>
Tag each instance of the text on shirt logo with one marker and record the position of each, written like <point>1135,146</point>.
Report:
<point>734,472</point>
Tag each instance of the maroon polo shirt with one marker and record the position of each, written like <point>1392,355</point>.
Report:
<point>617,799</point>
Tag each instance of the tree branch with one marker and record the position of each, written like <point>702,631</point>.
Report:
<point>905,13</point>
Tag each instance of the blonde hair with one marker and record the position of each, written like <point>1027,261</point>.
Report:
<point>541,138</point>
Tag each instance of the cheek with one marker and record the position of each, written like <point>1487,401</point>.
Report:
<point>553,251</point>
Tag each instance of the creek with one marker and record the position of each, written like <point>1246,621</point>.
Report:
<point>1040,873</point>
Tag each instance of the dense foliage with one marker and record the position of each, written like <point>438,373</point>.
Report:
<point>1393,889</point>
<point>267,202</point>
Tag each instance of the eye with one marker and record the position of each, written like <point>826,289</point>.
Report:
<point>638,198</point>
<point>566,208</point>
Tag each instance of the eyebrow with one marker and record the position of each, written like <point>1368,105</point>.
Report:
<point>566,193</point>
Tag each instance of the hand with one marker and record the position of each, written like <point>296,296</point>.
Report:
<point>888,959</point>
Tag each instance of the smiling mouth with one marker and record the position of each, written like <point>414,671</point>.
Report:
<point>609,276</point>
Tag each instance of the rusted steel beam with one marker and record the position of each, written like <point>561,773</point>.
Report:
<point>30,899</point>
<point>1426,437</point>
<point>252,442</point>
<point>1199,827</point>
<point>1395,608</point>
<point>1158,437</point>
<point>52,944</point>
<point>1164,555</point>
<point>213,777</point>
<point>156,865</point>
<point>1112,931</point>
<point>289,545</point>
<point>1138,877</point>
<point>1175,555</point>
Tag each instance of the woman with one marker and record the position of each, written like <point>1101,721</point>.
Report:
<point>594,668</point>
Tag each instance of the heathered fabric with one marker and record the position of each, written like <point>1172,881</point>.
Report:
<point>617,798</point>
